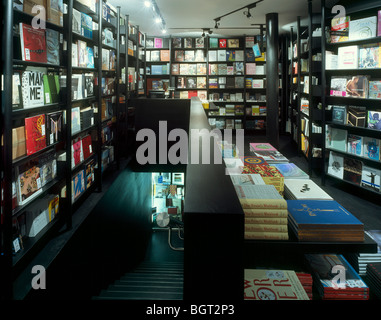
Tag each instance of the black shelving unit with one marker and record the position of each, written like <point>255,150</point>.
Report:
<point>354,11</point>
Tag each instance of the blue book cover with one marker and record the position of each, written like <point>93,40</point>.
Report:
<point>317,213</point>
<point>86,26</point>
<point>90,57</point>
<point>156,69</point>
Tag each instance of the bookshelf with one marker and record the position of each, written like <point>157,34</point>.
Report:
<point>352,149</point>
<point>52,142</point>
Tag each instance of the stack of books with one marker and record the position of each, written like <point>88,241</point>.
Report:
<point>323,220</point>
<point>262,284</point>
<point>374,278</point>
<point>269,174</point>
<point>335,278</point>
<point>302,189</point>
<point>360,260</point>
<point>265,212</point>
<point>307,282</point>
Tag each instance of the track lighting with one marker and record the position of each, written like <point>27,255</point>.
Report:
<point>247,13</point>
<point>217,23</point>
<point>147,4</point>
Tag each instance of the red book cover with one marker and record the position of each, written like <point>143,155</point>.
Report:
<point>222,43</point>
<point>35,134</point>
<point>33,43</point>
<point>87,147</point>
<point>77,152</point>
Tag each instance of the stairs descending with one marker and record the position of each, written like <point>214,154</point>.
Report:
<point>151,280</point>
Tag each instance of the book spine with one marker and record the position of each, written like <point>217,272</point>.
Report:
<point>251,227</point>
<point>251,235</point>
<point>265,220</point>
<point>263,203</point>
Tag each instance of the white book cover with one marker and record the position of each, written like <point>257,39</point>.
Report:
<point>336,165</point>
<point>303,189</point>
<point>212,55</point>
<point>370,178</point>
<point>221,56</point>
<point>363,28</point>
<point>339,139</point>
<point>32,86</point>
<point>247,179</point>
<point>348,57</point>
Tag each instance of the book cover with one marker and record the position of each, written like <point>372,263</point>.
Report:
<point>338,86</point>
<point>90,173</point>
<point>352,170</point>
<point>317,214</point>
<point>372,148</point>
<point>304,189</point>
<point>222,43</point>
<point>75,120</point>
<point>336,165</point>
<point>213,42</point>
<point>252,160</point>
<point>47,163</point>
<point>90,57</point>
<point>33,43</point>
<point>374,120</point>
<point>189,55</point>
<point>188,43</point>
<point>54,127</point>
<point>369,57</point>
<point>339,139</point>
<point>82,53</point>
<point>246,179</point>
<point>87,146</point>
<point>32,83</point>
<point>370,178</point>
<point>374,89</point>
<point>356,116</point>
<point>86,26</point>
<point>339,114</point>
<point>77,152</point>
<point>261,284</point>
<point>257,52</point>
<point>179,55</point>
<point>54,12</point>
<point>348,57</point>
<point>258,146</point>
<point>18,142</point>
<point>51,88</point>
<point>290,171</point>
<point>52,47</point>
<point>357,87</point>
<point>78,185</point>
<point>76,22</point>
<point>271,156</point>
<point>340,29</point>
<point>29,184</point>
<point>355,145</point>
<point>35,133</point>
<point>363,28</point>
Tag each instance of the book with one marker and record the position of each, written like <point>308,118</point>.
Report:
<point>86,26</point>
<point>265,220</point>
<point>54,127</point>
<point>339,114</point>
<point>339,139</point>
<point>344,283</point>
<point>35,133</point>
<point>89,173</point>
<point>369,57</point>
<point>356,116</point>
<point>338,86</point>
<point>47,163</point>
<point>374,120</point>
<point>363,28</point>
<point>28,184</point>
<point>76,22</point>
<point>336,165</point>
<point>257,146</point>
<point>372,148</point>
<point>259,196</point>
<point>374,89</point>
<point>267,213</point>
<point>290,171</point>
<point>246,179</point>
<point>75,120</point>
<point>352,170</point>
<point>33,43</point>
<point>271,156</point>
<point>52,46</point>
<point>355,144</point>
<point>357,87</point>
<point>213,42</point>
<point>51,88</point>
<point>262,284</point>
<point>87,146</point>
<point>18,142</point>
<point>258,235</point>
<point>32,83</point>
<point>54,12</point>
<point>301,189</point>
<point>348,57</point>
<point>339,29</point>
<point>78,185</point>
<point>323,220</point>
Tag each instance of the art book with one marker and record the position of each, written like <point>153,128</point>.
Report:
<point>290,171</point>
<point>35,133</point>
<point>32,84</point>
<point>53,46</point>
<point>261,284</point>
<point>338,86</point>
<point>369,57</point>
<point>374,120</point>
<point>257,146</point>
<point>339,114</point>
<point>336,165</point>
<point>340,29</point>
<point>355,145</point>
<point>363,28</point>
<point>78,185</point>
<point>304,189</point>
<point>357,87</point>
<point>347,57</point>
<point>352,170</point>
<point>374,89</point>
<point>54,127</point>
<point>33,43</point>
<point>246,179</point>
<point>252,160</point>
<point>339,139</point>
<point>29,184</point>
<point>372,148</point>
<point>77,153</point>
<point>370,178</point>
<point>356,116</point>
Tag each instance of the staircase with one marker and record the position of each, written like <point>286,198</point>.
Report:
<point>159,277</point>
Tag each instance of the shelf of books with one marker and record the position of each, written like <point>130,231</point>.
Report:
<point>352,129</point>
<point>158,62</point>
<point>291,223</point>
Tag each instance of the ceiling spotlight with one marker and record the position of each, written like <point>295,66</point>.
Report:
<point>203,34</point>
<point>217,23</point>
<point>164,31</point>
<point>247,13</point>
<point>158,20</point>
<point>147,4</point>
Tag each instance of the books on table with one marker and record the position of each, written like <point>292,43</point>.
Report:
<point>261,147</point>
<point>323,220</point>
<point>291,171</point>
<point>300,189</point>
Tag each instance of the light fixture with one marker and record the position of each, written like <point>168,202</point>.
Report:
<point>164,30</point>
<point>147,4</point>
<point>203,34</point>
<point>247,13</point>
<point>216,23</point>
<point>158,20</point>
